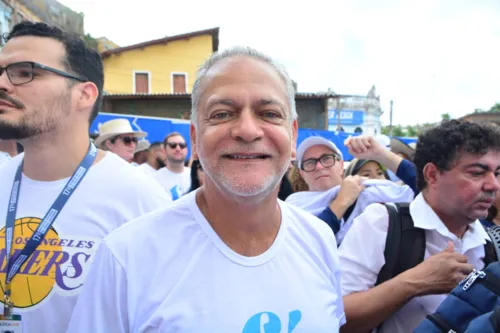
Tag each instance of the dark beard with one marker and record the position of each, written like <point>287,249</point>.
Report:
<point>36,122</point>
<point>160,162</point>
<point>22,131</point>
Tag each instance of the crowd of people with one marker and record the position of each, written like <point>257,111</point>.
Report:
<point>253,233</point>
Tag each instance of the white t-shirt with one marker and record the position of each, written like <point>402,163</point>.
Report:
<point>362,256</point>
<point>148,169</point>
<point>46,287</point>
<point>4,157</point>
<point>170,272</point>
<point>176,184</point>
<point>376,191</point>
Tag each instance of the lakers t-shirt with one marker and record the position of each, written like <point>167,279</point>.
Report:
<point>45,289</point>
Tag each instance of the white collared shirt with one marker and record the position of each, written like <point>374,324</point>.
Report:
<point>361,256</point>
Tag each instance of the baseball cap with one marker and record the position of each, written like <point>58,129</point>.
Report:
<point>315,141</point>
<point>383,140</point>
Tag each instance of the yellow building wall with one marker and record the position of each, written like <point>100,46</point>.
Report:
<point>161,60</point>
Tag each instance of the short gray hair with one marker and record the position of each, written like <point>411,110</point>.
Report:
<point>239,51</point>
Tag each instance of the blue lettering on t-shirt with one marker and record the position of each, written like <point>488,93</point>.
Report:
<point>272,322</point>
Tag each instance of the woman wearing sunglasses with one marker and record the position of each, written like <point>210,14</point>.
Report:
<point>117,136</point>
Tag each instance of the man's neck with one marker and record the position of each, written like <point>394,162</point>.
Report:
<point>247,226</point>
<point>455,224</point>
<point>9,146</point>
<point>48,157</point>
<point>175,167</point>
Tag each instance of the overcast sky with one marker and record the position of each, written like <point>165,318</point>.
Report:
<point>429,56</point>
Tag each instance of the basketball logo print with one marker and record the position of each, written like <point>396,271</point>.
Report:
<point>36,278</point>
<point>57,263</point>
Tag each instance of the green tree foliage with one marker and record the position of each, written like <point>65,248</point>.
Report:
<point>90,41</point>
<point>411,131</point>
<point>445,116</point>
<point>495,108</point>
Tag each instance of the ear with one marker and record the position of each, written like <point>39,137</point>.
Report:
<point>107,144</point>
<point>88,94</point>
<point>295,133</point>
<point>431,174</point>
<point>192,134</point>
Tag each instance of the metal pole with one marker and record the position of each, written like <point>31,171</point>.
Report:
<point>390,120</point>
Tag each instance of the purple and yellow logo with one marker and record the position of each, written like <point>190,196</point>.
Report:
<point>58,263</point>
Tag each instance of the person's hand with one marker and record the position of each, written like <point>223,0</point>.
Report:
<point>440,273</point>
<point>364,147</point>
<point>350,189</point>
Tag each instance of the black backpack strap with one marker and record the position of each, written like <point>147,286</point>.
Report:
<point>405,244</point>
<point>489,254</point>
<point>492,249</point>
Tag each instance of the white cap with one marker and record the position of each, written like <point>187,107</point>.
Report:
<point>384,140</point>
<point>315,141</point>
<point>142,145</point>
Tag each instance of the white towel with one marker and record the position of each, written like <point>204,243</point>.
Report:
<point>376,191</point>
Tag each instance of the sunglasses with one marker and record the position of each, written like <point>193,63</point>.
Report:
<point>127,140</point>
<point>173,145</point>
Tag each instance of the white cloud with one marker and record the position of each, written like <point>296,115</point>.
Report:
<point>429,56</point>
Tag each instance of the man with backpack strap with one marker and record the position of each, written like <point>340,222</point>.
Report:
<point>457,172</point>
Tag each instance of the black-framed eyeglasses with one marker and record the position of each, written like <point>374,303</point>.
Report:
<point>24,72</point>
<point>174,145</point>
<point>327,161</point>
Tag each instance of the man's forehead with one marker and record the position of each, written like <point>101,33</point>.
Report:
<point>242,69</point>
<point>465,159</point>
<point>47,51</point>
<point>176,138</point>
<point>238,63</point>
<point>318,150</point>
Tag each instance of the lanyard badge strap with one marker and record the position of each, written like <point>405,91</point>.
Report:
<point>15,263</point>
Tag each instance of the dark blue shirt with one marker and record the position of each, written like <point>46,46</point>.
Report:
<point>487,224</point>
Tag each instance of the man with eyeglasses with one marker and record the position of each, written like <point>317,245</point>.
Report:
<point>332,197</point>
<point>62,196</point>
<point>175,177</point>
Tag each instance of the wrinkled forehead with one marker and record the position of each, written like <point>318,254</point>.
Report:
<point>43,50</point>
<point>240,78</point>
